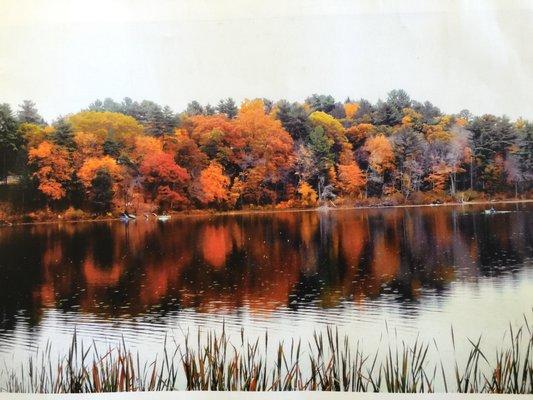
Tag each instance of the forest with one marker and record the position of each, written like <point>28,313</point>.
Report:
<point>143,157</point>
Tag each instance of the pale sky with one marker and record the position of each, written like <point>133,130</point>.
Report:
<point>64,54</point>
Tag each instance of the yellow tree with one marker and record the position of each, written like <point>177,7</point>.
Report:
<point>381,154</point>
<point>380,161</point>
<point>87,145</point>
<point>350,109</point>
<point>122,128</point>
<point>440,131</point>
<point>411,117</point>
<point>308,195</point>
<point>332,126</point>
<point>34,134</point>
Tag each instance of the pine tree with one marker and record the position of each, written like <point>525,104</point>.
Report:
<point>10,142</point>
<point>294,119</point>
<point>63,134</point>
<point>227,107</point>
<point>28,113</point>
<point>194,108</point>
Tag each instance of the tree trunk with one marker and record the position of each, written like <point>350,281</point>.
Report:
<point>452,184</point>
<point>5,167</point>
<point>472,173</point>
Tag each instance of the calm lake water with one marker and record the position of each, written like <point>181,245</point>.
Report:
<point>417,271</point>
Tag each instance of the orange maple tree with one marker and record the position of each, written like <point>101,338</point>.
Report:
<point>213,184</point>
<point>53,169</point>
<point>92,165</point>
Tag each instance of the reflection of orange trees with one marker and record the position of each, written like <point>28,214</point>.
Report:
<point>441,228</point>
<point>162,279</point>
<point>385,258</point>
<point>353,237</point>
<point>308,226</point>
<point>353,234</point>
<point>51,259</point>
<point>265,271</point>
<point>269,285</point>
<point>163,266</point>
<point>299,226</point>
<point>98,276</point>
<point>274,267</point>
<point>52,255</point>
<point>216,244</point>
<point>301,230</point>
<point>257,260</point>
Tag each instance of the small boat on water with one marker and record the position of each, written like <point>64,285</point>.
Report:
<point>125,216</point>
<point>162,217</point>
<point>490,211</point>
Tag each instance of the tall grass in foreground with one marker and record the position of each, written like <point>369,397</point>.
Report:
<point>212,362</point>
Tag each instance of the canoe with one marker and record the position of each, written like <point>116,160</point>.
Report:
<point>126,217</point>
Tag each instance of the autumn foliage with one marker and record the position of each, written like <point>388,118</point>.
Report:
<point>213,184</point>
<point>381,155</point>
<point>92,165</point>
<point>53,169</point>
<point>164,179</point>
<point>114,156</point>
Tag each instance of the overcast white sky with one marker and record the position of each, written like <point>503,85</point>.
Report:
<point>63,54</point>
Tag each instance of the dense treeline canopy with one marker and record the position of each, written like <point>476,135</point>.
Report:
<point>144,156</point>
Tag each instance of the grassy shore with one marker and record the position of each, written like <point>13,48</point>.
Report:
<point>327,363</point>
<point>214,213</point>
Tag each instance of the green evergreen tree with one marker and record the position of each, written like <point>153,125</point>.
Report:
<point>28,113</point>
<point>294,119</point>
<point>321,102</point>
<point>194,108</point>
<point>228,107</point>
<point>321,146</point>
<point>10,141</point>
<point>63,134</point>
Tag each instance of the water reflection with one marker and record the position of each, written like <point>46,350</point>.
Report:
<point>261,262</point>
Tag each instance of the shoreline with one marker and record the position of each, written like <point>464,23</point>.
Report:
<point>208,213</point>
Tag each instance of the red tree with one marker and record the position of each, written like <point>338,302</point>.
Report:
<point>164,179</point>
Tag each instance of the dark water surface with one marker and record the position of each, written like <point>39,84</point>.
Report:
<point>420,270</point>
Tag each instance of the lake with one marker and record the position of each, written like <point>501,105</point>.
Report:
<point>373,273</point>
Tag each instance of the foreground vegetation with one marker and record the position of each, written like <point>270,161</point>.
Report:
<point>327,363</point>
<point>142,157</point>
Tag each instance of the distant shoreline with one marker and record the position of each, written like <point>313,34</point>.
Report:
<point>208,213</point>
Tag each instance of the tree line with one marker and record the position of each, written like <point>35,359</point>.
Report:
<point>143,156</point>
